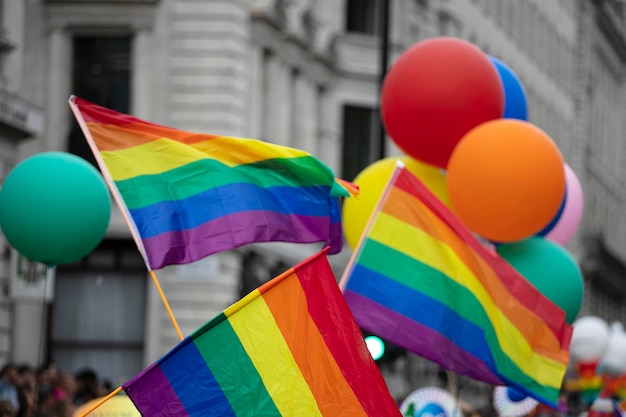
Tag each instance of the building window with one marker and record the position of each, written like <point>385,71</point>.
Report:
<point>101,74</point>
<point>362,15</point>
<point>97,321</point>
<point>359,133</point>
<point>98,314</point>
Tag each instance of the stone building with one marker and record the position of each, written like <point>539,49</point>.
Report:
<point>303,73</point>
<point>20,121</point>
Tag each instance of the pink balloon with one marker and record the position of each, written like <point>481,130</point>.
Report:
<point>567,225</point>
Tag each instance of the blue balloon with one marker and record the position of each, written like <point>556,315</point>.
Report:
<point>432,410</point>
<point>515,102</point>
<point>514,395</point>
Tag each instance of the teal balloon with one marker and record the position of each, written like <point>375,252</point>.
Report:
<point>551,269</point>
<point>54,208</point>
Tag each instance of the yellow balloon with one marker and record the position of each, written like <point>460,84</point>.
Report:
<point>357,210</point>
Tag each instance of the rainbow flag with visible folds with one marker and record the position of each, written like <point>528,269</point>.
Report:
<point>289,348</point>
<point>420,279</point>
<point>188,195</point>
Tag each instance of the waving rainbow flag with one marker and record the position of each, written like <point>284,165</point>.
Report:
<point>188,195</point>
<point>421,280</point>
<point>289,348</point>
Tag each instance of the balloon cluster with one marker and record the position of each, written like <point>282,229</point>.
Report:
<point>54,208</point>
<point>460,117</point>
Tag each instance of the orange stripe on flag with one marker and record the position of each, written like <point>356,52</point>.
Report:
<point>112,137</point>
<point>323,375</point>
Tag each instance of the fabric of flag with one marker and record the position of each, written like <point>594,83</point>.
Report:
<point>421,280</point>
<point>289,348</point>
<point>188,195</point>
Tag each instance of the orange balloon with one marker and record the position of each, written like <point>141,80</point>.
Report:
<point>506,180</point>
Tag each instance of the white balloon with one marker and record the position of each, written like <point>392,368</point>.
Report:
<point>617,340</point>
<point>590,339</point>
<point>614,360</point>
<point>612,365</point>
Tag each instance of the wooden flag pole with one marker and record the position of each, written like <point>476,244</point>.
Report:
<point>167,305</point>
<point>102,401</point>
<point>453,385</point>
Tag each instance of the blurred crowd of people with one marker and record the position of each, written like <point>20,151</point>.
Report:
<point>46,392</point>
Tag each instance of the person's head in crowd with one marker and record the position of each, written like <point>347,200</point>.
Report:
<point>47,375</point>
<point>66,387</point>
<point>86,386</point>
<point>26,375</point>
<point>9,374</point>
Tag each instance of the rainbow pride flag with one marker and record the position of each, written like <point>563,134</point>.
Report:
<point>421,280</point>
<point>188,195</point>
<point>289,348</point>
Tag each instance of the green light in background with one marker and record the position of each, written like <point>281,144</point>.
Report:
<point>376,346</point>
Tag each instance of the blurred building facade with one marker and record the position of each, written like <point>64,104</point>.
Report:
<point>302,73</point>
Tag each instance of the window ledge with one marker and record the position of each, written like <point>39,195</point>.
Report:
<point>103,1</point>
<point>131,14</point>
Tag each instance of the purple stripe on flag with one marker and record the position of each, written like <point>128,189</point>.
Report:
<point>153,379</point>
<point>238,229</point>
<point>419,338</point>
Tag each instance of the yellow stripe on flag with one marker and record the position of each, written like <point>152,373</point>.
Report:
<point>165,154</point>
<point>268,351</point>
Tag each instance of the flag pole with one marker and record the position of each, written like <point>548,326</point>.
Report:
<point>166,304</point>
<point>109,180</point>
<point>455,390</point>
<point>383,197</point>
<point>124,210</point>
<point>102,401</point>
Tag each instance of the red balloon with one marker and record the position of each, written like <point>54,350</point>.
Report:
<point>436,92</point>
